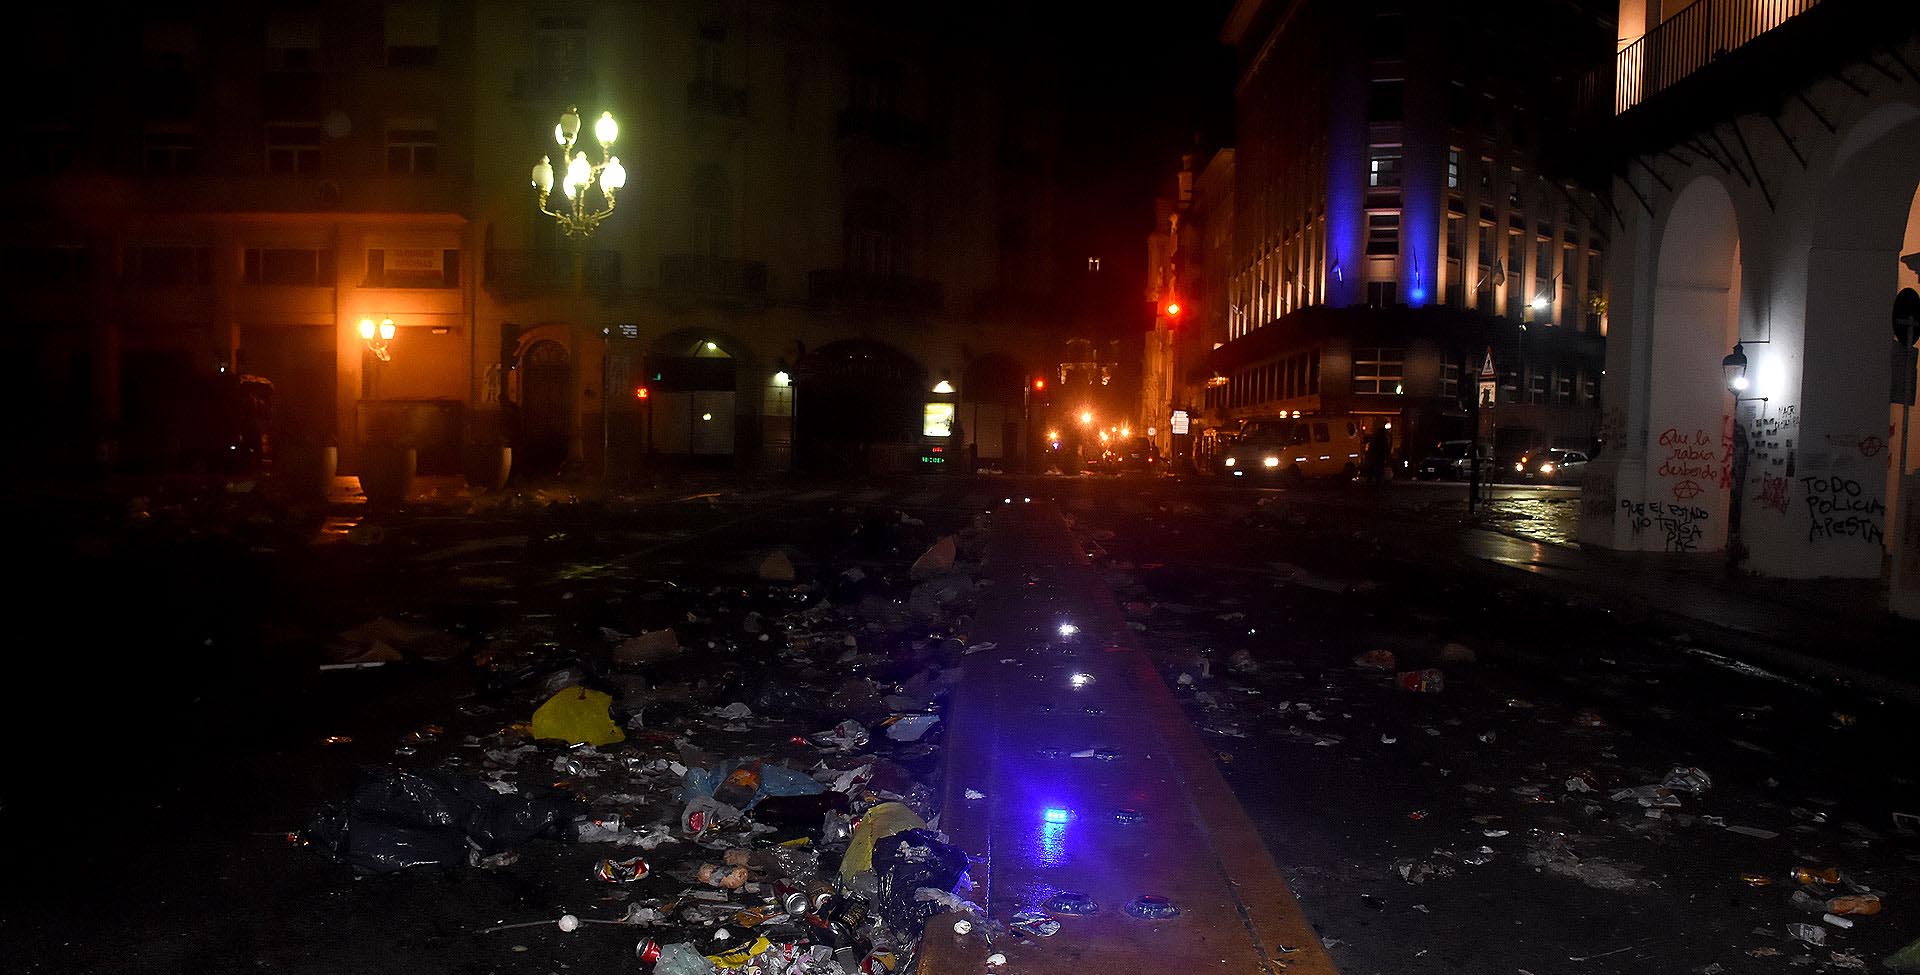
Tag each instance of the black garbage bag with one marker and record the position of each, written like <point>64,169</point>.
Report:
<point>785,699</point>
<point>905,862</point>
<point>397,819</point>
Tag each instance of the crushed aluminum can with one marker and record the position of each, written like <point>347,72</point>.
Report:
<point>621,871</point>
<point>1152,907</point>
<point>648,951</point>
<point>1429,681</point>
<point>1812,934</point>
<point>1072,903</point>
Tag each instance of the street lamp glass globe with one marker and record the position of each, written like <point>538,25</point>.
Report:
<point>543,175</point>
<point>569,126</point>
<point>579,171</point>
<point>606,129</point>
<point>559,134</point>
<point>366,328</point>
<point>386,329</point>
<point>1735,368</point>
<point>1540,302</point>
<point>614,176</point>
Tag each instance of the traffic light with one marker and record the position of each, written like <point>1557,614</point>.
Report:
<point>641,393</point>
<point>1173,309</point>
<point>1039,384</point>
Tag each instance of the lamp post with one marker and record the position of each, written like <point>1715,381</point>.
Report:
<point>579,217</point>
<point>378,337</point>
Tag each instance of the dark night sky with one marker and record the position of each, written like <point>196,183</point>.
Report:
<point>1134,94</point>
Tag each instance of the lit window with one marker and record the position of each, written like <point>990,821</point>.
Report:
<point>1453,169</point>
<point>1093,264</point>
<point>1383,166</point>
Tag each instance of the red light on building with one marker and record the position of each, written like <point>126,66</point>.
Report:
<point>1173,309</point>
<point>641,392</point>
<point>1039,384</point>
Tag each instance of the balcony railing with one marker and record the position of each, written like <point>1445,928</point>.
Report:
<point>713,278</point>
<point>525,272</point>
<point>1692,39</point>
<point>898,292</point>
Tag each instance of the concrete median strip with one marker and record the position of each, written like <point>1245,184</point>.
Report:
<point>1140,852</point>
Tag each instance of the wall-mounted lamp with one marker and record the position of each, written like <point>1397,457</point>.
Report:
<point>377,336</point>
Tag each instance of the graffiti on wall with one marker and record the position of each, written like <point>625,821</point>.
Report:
<point>1681,526</point>
<point>1841,507</point>
<point>1770,469</point>
<point>1691,462</point>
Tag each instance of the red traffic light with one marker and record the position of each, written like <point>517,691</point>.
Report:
<point>1173,309</point>
<point>1039,384</point>
<point>641,392</point>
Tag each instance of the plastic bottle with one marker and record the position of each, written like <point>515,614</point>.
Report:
<point>681,959</point>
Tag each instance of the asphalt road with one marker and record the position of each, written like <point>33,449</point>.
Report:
<point>1472,829</point>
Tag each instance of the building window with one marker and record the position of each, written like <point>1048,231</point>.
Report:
<point>1383,167</point>
<point>1093,264</point>
<point>1486,176</point>
<point>1453,168</point>
<point>1458,102</point>
<point>1563,390</point>
<point>1513,188</point>
<point>1383,294</point>
<point>1377,372</point>
<point>1536,387</point>
<point>1485,243</point>
<point>1515,278</point>
<point>168,152</point>
<point>1386,100</point>
<point>293,148</point>
<point>413,34</point>
<point>413,267</point>
<point>157,265</point>
<point>1456,237</point>
<point>1450,380</point>
<point>1383,233</point>
<point>413,150</point>
<point>289,266</point>
<point>1589,390</point>
<point>293,43</point>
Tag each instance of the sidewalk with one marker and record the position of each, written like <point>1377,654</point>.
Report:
<point>1148,814</point>
<point>1823,630</point>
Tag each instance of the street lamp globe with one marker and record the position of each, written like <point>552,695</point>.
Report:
<point>1734,366</point>
<point>386,329</point>
<point>580,174</point>
<point>543,175</point>
<point>606,130</point>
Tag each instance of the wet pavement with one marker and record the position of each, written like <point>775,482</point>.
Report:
<point>1499,821</point>
<point>1577,789</point>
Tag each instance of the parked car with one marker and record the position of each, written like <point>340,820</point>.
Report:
<point>1131,454</point>
<point>1296,448</point>
<point>1452,460</point>
<point>1555,465</point>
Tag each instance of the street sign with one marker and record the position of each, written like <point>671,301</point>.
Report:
<point>1488,380</point>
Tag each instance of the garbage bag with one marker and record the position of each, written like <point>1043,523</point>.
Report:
<point>577,714</point>
<point>904,864</point>
<point>742,784</point>
<point>503,822</point>
<point>880,822</point>
<point>396,819</point>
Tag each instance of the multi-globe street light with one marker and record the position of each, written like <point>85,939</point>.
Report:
<point>580,175</point>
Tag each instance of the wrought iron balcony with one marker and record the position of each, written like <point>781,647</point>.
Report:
<point>515,273</point>
<point>1692,39</point>
<point>699,276</point>
<point>716,99</point>
<point>896,292</point>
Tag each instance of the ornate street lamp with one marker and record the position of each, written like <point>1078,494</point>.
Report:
<point>377,337</point>
<point>579,217</point>
<point>1734,368</point>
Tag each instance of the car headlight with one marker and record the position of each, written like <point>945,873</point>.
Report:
<point>1522,466</point>
<point>1546,468</point>
<point>1230,462</point>
<point>1271,462</point>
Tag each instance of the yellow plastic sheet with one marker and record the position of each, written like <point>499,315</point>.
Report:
<point>575,715</point>
<point>880,822</point>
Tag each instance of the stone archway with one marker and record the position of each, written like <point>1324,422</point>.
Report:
<point>1841,492</point>
<point>1684,501</point>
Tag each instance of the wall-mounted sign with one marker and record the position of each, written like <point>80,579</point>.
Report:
<point>1179,424</point>
<point>937,420</point>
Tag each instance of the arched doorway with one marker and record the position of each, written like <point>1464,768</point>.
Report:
<point>1690,435</point>
<point>1844,491</point>
<point>694,376</point>
<point>850,396</point>
<point>992,409</point>
<point>546,384</point>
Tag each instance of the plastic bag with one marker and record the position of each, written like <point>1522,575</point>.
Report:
<point>577,714</point>
<point>880,822</point>
<point>906,863</point>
